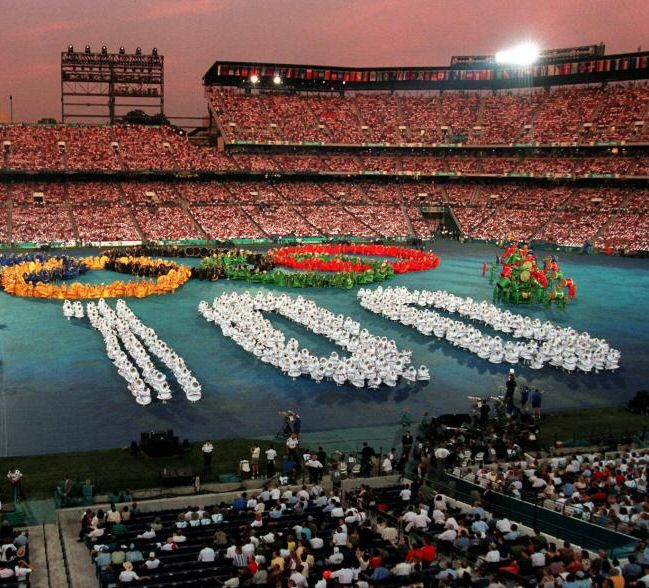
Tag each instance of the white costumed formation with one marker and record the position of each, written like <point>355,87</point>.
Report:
<point>123,334</point>
<point>547,343</point>
<point>373,360</point>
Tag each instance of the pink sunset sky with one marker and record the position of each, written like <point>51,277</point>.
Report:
<point>192,34</point>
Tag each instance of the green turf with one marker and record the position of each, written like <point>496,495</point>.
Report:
<point>116,469</point>
<point>592,424</point>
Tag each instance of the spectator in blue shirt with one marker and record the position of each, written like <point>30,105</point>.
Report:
<point>240,502</point>
<point>379,574</point>
<point>479,526</point>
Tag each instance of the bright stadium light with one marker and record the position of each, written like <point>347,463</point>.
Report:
<point>523,54</point>
<point>277,80</point>
<point>254,78</point>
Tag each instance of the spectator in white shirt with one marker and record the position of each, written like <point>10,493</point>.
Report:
<point>206,554</point>
<point>153,563</point>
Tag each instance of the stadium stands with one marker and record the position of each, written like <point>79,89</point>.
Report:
<point>92,212</point>
<point>563,115</point>
<point>612,216</point>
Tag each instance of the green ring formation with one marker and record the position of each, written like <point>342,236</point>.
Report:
<point>250,266</point>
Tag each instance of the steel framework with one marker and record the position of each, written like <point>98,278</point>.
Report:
<point>110,82</point>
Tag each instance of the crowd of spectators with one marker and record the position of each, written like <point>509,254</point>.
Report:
<point>560,115</point>
<point>15,569</point>
<point>392,535</point>
<point>612,218</point>
<point>606,489</point>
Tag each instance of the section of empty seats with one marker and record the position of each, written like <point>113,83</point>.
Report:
<point>146,148</point>
<point>225,222</point>
<point>280,220</point>
<point>165,222</point>
<point>33,147</point>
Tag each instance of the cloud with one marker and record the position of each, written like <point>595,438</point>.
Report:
<point>161,9</point>
<point>42,29</point>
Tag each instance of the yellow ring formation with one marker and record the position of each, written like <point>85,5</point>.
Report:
<point>13,281</point>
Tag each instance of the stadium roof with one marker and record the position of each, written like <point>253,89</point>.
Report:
<point>467,74</point>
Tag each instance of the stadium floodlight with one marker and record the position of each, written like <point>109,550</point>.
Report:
<point>122,51</point>
<point>254,79</point>
<point>87,48</point>
<point>70,48</point>
<point>277,80</point>
<point>523,54</point>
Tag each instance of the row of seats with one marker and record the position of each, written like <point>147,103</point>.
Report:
<point>583,114</point>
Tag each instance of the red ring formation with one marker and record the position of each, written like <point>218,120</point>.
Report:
<point>309,258</point>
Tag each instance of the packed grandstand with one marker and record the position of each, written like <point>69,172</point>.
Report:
<point>565,165</point>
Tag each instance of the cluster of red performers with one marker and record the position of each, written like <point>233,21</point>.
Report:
<point>343,258</point>
<point>523,280</point>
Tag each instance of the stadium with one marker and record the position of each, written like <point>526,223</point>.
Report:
<point>371,326</point>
